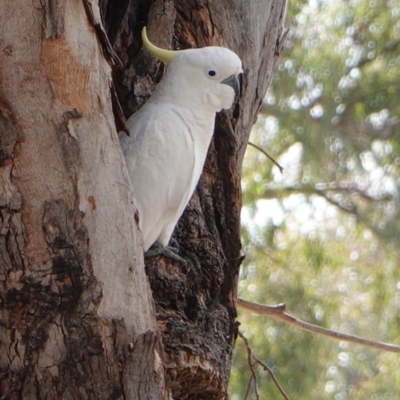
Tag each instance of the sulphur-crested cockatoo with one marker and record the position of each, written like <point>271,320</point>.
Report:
<point>171,133</point>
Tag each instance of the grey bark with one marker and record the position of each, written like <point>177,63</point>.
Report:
<point>77,320</point>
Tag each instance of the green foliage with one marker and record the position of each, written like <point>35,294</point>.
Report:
<point>324,237</point>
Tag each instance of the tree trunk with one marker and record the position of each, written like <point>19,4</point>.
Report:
<point>77,319</point>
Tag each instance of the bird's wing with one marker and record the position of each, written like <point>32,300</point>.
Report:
<point>160,157</point>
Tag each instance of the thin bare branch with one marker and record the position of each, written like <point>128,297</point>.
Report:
<point>248,387</point>
<point>278,312</point>
<point>253,376</point>
<point>269,370</point>
<point>280,42</point>
<point>266,155</point>
<point>253,359</point>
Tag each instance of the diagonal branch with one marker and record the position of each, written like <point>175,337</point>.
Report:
<point>278,312</point>
<point>249,384</point>
<point>266,155</point>
<point>252,360</point>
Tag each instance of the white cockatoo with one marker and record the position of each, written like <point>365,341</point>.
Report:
<point>171,133</point>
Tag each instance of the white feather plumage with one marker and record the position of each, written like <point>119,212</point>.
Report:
<point>171,133</point>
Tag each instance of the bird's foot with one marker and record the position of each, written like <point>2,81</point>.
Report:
<point>173,245</point>
<point>158,249</point>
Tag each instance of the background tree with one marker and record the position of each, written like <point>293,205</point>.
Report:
<point>323,237</point>
<point>77,318</point>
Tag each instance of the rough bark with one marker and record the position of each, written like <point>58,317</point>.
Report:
<point>196,305</point>
<point>76,312</point>
<point>77,319</point>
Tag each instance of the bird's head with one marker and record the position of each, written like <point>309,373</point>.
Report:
<point>209,75</point>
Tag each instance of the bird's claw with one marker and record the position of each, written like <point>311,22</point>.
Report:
<point>159,249</point>
<point>173,245</point>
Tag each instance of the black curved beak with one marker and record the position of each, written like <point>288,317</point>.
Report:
<point>233,82</point>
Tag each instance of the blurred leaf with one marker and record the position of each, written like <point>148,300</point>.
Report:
<point>324,237</point>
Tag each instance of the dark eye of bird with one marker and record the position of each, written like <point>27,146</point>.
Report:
<point>212,73</point>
